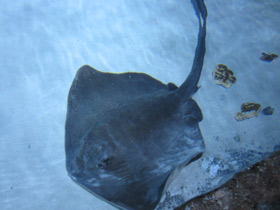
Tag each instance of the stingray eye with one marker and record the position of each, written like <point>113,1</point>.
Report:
<point>105,162</point>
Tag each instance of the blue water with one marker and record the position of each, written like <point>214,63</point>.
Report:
<point>43,43</point>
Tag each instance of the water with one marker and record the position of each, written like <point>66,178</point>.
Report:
<point>43,43</point>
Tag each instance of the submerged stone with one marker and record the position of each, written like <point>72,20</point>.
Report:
<point>248,110</point>
<point>268,110</point>
<point>268,57</point>
<point>224,76</point>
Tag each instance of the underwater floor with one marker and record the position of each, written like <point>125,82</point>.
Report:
<point>258,187</point>
<point>43,43</point>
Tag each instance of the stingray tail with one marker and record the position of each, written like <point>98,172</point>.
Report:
<point>190,84</point>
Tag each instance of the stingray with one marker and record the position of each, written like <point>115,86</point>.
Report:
<point>128,135</point>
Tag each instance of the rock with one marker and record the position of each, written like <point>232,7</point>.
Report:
<point>248,110</point>
<point>268,110</point>
<point>224,76</point>
<point>268,57</point>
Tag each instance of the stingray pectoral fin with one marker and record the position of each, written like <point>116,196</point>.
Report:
<point>93,93</point>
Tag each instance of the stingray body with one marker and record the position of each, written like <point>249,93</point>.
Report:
<point>128,135</point>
